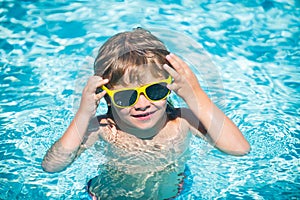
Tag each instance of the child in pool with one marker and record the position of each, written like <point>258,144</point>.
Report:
<point>146,138</point>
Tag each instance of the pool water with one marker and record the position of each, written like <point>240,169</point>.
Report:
<point>253,55</point>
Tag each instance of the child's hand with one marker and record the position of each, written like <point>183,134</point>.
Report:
<point>90,100</point>
<point>185,82</point>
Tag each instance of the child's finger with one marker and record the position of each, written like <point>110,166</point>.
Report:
<point>174,63</point>
<point>171,71</point>
<point>183,68</point>
<point>95,82</point>
<point>90,86</point>
<point>178,60</point>
<point>102,82</point>
<point>172,86</point>
<point>179,64</point>
<point>100,95</point>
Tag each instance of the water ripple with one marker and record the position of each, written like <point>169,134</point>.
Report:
<point>46,54</point>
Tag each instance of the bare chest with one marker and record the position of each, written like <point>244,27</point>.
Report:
<point>167,146</point>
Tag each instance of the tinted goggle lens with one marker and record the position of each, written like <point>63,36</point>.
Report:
<point>125,98</point>
<point>157,91</point>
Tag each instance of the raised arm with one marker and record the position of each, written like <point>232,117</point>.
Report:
<point>220,130</point>
<point>63,152</point>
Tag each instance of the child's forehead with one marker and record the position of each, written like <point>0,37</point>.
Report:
<point>129,80</point>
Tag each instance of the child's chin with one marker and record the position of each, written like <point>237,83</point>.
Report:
<point>145,126</point>
<point>145,122</point>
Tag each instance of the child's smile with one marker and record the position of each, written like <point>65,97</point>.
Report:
<point>144,116</point>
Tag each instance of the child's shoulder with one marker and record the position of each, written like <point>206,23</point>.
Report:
<point>189,120</point>
<point>99,124</point>
<point>179,116</point>
<point>105,120</point>
<point>103,126</point>
<point>179,113</point>
<point>95,130</point>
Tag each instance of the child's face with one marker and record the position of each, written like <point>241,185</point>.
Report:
<point>144,114</point>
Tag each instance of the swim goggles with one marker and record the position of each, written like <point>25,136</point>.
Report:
<point>128,97</point>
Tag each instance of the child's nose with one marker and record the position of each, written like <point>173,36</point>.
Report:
<point>143,103</point>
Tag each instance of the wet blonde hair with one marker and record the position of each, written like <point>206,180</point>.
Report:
<point>131,52</point>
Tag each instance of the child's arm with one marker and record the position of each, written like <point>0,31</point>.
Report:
<point>221,131</point>
<point>63,152</point>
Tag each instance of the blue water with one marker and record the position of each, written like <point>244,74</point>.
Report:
<point>47,51</point>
